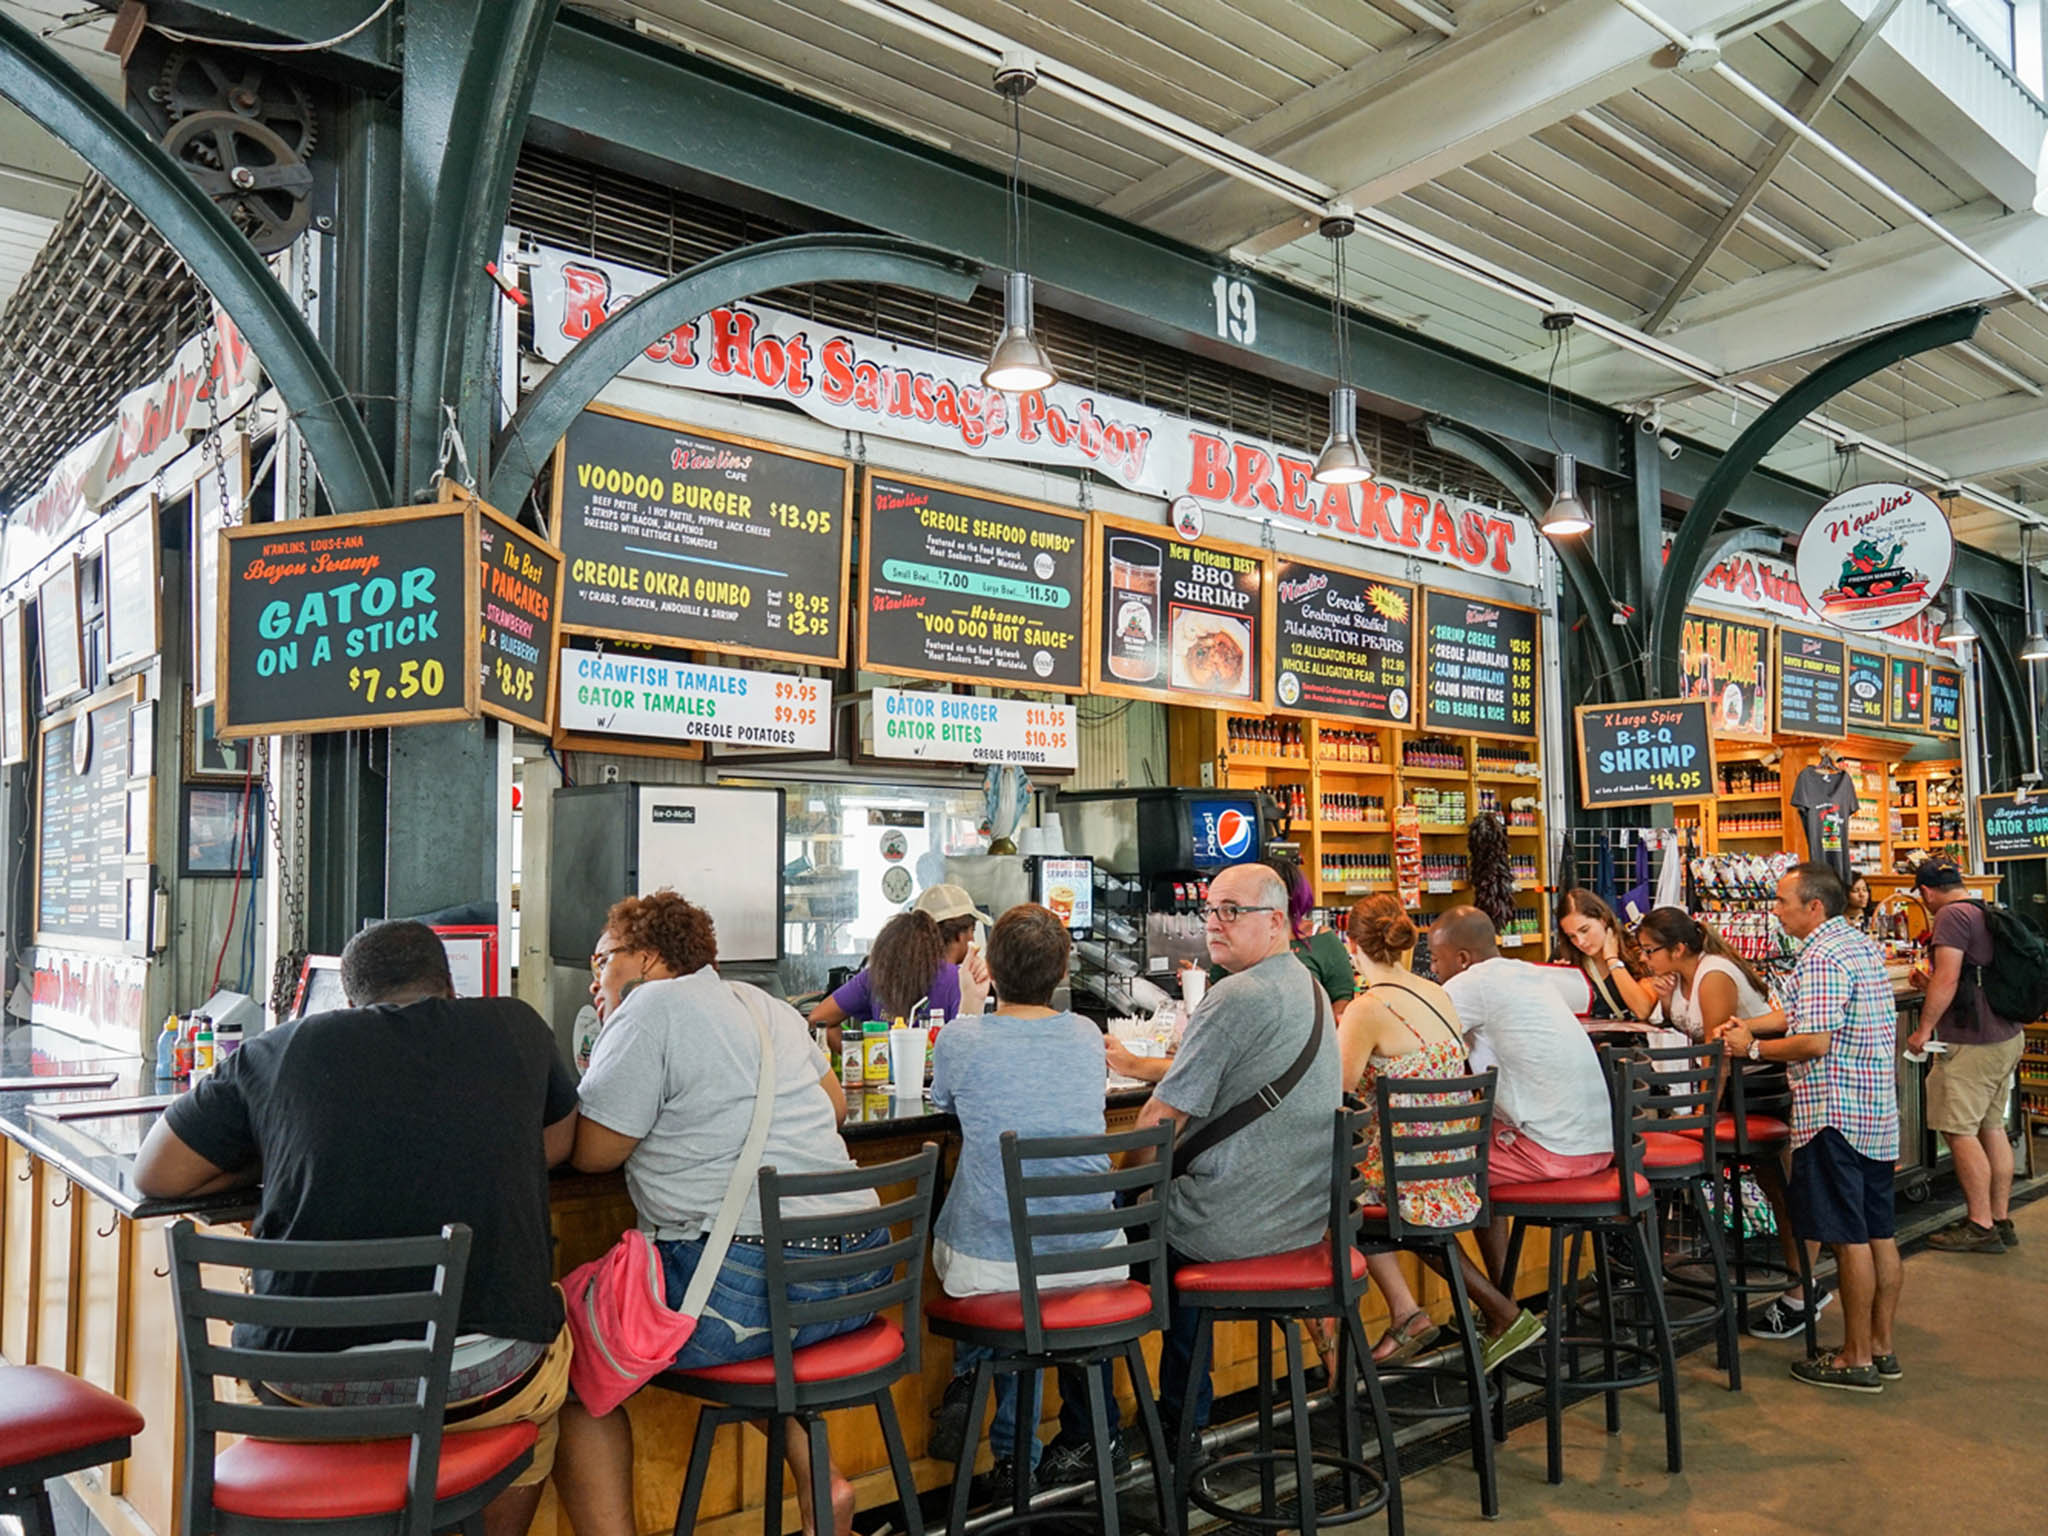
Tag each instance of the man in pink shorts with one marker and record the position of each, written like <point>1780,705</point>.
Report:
<point>1552,1115</point>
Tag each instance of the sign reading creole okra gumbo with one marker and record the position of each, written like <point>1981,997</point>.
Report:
<point>971,587</point>
<point>701,539</point>
<point>1640,754</point>
<point>1176,620</point>
<point>1479,666</point>
<point>1343,644</point>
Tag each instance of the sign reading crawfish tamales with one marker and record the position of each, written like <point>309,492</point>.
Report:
<point>684,537</point>
<point>1177,621</point>
<point>971,587</point>
<point>1343,644</point>
<point>341,623</point>
<point>1728,664</point>
<point>1478,666</point>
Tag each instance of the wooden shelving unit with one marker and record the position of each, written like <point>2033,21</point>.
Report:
<point>1331,776</point>
<point>2034,1078</point>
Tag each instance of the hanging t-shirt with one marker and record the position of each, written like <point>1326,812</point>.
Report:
<point>1825,801</point>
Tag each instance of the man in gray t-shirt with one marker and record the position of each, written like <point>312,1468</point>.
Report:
<point>1267,1188</point>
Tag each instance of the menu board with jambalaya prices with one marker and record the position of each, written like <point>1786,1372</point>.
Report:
<point>1479,666</point>
<point>1343,644</point>
<point>342,623</point>
<point>972,587</point>
<point>1866,688</point>
<point>1811,683</point>
<point>2014,829</point>
<point>1178,621</point>
<point>1944,701</point>
<point>678,536</point>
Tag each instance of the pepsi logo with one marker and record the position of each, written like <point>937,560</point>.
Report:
<point>1234,832</point>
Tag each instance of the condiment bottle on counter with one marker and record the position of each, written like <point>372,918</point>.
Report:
<point>874,1050</point>
<point>935,1021</point>
<point>202,1048</point>
<point>851,1071</point>
<point>181,1061</point>
<point>167,1050</point>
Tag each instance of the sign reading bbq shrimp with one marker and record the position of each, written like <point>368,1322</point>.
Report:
<point>1183,623</point>
<point>1874,556</point>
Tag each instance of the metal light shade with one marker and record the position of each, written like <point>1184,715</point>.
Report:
<point>2036,646</point>
<point>1957,633</point>
<point>1018,365</point>
<point>1343,460</point>
<point>1567,517</point>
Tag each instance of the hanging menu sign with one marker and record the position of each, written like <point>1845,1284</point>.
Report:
<point>702,539</point>
<point>1865,701</point>
<point>128,583</point>
<point>1479,666</point>
<point>1945,701</point>
<point>971,587</point>
<point>82,824</point>
<point>519,582</point>
<point>210,514</point>
<point>63,635</point>
<point>1812,682</point>
<point>342,623</point>
<point>1728,664</point>
<point>13,686</point>
<point>959,728</point>
<point>1642,754</point>
<point>1905,694</point>
<point>1175,620</point>
<point>1343,644</point>
<point>2013,830</point>
<point>616,695</point>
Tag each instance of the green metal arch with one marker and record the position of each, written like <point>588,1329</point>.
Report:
<point>1998,662</point>
<point>55,95</point>
<point>1682,570</point>
<point>792,262</point>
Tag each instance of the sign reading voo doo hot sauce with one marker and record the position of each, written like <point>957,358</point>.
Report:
<point>958,728</point>
<point>1874,556</point>
<point>1343,644</point>
<point>1177,621</point>
<point>1479,666</point>
<point>973,588</point>
<point>342,623</point>
<point>614,695</point>
<point>2014,829</point>
<point>1644,753</point>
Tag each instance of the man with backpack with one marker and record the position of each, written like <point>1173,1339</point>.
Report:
<point>1968,974</point>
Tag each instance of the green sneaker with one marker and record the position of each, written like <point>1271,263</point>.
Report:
<point>1526,1329</point>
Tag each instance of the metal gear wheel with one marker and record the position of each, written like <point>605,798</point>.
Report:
<point>252,172</point>
<point>200,80</point>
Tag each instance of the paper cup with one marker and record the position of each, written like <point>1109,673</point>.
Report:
<point>906,1057</point>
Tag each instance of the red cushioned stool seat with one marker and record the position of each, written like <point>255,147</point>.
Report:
<point>45,1412</point>
<point>1761,1128</point>
<point>871,1348</point>
<point>1587,1189</point>
<point>1305,1269</point>
<point>272,1480</point>
<point>1665,1150</point>
<point>1084,1306</point>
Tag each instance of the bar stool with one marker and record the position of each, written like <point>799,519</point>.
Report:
<point>384,1470</point>
<point>1325,1279</point>
<point>848,1370</point>
<point>50,1424</point>
<point>1034,1329</point>
<point>1619,1202</point>
<point>1449,1119</point>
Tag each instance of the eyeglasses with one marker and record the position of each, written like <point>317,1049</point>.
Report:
<point>1654,949</point>
<point>1229,911</point>
<point>601,957</point>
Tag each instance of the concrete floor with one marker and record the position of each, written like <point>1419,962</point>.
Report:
<point>1955,1447</point>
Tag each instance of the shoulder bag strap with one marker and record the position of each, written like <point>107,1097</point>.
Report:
<point>719,1238</point>
<point>1267,1099</point>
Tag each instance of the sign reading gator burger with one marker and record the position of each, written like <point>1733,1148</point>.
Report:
<point>1874,556</point>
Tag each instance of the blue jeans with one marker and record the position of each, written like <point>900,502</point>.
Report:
<point>735,1321</point>
<point>1003,1433</point>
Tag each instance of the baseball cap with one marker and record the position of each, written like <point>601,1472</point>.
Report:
<point>943,902</point>
<point>1936,875</point>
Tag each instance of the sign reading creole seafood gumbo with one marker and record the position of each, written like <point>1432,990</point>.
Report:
<point>1874,556</point>
<point>340,623</point>
<point>1641,754</point>
<point>1343,644</point>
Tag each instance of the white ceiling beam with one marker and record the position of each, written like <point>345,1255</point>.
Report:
<point>1994,445</point>
<point>38,174</point>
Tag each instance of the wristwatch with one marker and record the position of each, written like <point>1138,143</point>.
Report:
<point>1756,1049</point>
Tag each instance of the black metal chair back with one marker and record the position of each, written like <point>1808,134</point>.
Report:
<point>1432,1129</point>
<point>906,1215</point>
<point>1102,1203</point>
<point>1756,1088</point>
<point>425,1296</point>
<point>1632,1084</point>
<point>1687,1080</point>
<point>1349,1136</point>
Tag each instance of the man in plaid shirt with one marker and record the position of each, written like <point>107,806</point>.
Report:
<point>1838,1033</point>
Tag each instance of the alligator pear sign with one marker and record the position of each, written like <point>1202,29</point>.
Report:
<point>1874,556</point>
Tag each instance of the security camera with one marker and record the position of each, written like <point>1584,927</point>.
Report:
<point>1651,421</point>
<point>1669,447</point>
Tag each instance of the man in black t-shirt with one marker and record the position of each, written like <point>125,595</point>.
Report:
<point>408,1110</point>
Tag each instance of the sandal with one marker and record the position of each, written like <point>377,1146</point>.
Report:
<point>1406,1339</point>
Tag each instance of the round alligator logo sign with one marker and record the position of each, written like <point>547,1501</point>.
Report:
<point>1873,557</point>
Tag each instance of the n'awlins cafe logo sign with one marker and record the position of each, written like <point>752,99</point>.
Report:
<point>863,384</point>
<point>1750,583</point>
<point>1874,556</point>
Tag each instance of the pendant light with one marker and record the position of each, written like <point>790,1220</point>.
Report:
<point>1957,632</point>
<point>1566,517</point>
<point>1019,363</point>
<point>2035,647</point>
<point>1343,460</point>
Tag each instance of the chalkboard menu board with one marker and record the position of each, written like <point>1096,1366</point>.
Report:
<point>1812,683</point>
<point>519,578</point>
<point>1640,754</point>
<point>1479,666</point>
<point>1177,621</point>
<point>701,539</point>
<point>1865,702</point>
<point>1343,644</point>
<point>13,685</point>
<point>1728,663</point>
<point>82,824</point>
<point>128,582</point>
<point>63,633</point>
<point>972,588</point>
<point>2012,830</point>
<point>341,623</point>
<point>1944,701</point>
<point>1905,694</point>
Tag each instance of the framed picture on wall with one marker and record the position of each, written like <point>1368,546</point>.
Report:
<point>212,824</point>
<point>207,757</point>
